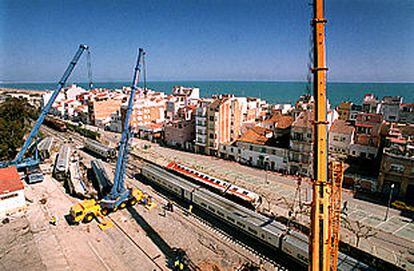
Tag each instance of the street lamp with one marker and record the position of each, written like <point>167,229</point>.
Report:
<point>266,164</point>
<point>389,202</point>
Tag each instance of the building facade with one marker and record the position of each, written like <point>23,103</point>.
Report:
<point>367,136</point>
<point>341,136</point>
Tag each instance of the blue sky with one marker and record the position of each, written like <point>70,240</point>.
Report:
<point>368,40</point>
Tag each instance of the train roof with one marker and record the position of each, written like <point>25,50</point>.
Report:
<point>64,154</point>
<point>246,214</point>
<point>97,144</point>
<point>45,143</point>
<point>179,182</point>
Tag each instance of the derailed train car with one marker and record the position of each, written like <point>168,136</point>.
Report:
<point>61,170</point>
<point>273,234</point>
<point>100,150</point>
<point>75,183</point>
<point>45,147</point>
<point>101,176</point>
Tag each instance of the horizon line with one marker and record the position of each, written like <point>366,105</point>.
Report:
<point>229,80</point>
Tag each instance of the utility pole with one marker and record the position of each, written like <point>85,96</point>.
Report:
<point>319,238</point>
<point>389,201</point>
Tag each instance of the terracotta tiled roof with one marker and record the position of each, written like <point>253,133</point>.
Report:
<point>10,180</point>
<point>256,135</point>
<point>280,121</point>
<point>304,119</point>
<point>342,127</point>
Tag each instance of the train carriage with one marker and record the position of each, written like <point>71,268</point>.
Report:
<point>103,183</point>
<point>61,171</point>
<point>235,193</point>
<point>75,182</point>
<point>99,149</point>
<point>262,228</point>
<point>45,147</point>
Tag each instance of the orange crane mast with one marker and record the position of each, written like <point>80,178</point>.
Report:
<point>319,237</point>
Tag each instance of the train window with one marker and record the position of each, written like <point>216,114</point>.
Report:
<point>263,236</point>
<point>220,213</point>
<point>252,230</point>
<point>241,224</point>
<point>234,189</point>
<point>211,209</point>
<point>231,219</point>
<point>245,192</point>
<point>204,205</point>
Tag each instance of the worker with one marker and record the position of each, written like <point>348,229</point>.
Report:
<point>190,208</point>
<point>53,220</point>
<point>176,264</point>
<point>170,206</point>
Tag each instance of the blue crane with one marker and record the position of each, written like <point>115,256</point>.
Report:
<point>119,196</point>
<point>20,161</point>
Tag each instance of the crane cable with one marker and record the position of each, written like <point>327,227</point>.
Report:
<point>90,83</point>
<point>309,74</point>
<point>144,67</point>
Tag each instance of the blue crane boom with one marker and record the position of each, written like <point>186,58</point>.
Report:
<point>118,193</point>
<point>19,161</point>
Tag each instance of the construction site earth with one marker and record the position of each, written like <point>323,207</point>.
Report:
<point>143,238</point>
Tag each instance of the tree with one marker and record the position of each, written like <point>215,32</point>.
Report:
<point>15,115</point>
<point>360,230</point>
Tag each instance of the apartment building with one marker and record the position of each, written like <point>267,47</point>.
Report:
<point>301,142</point>
<point>181,97</point>
<point>201,125</point>
<point>344,110</point>
<point>341,136</point>
<point>390,108</point>
<point>370,104</point>
<point>367,136</point>
<point>180,132</point>
<point>280,125</point>
<point>222,123</point>
<point>149,108</point>
<point>256,147</point>
<point>397,163</point>
<point>406,114</point>
<point>100,111</point>
<point>300,146</point>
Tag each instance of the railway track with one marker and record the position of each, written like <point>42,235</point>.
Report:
<point>134,243</point>
<point>243,251</point>
<point>215,233</point>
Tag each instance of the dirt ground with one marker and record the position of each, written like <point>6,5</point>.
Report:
<point>17,245</point>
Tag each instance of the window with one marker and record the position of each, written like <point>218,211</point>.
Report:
<point>251,148</point>
<point>263,150</point>
<point>397,168</point>
<point>252,230</point>
<point>211,118</point>
<point>211,209</point>
<point>224,147</point>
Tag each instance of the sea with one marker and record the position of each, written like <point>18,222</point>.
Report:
<point>271,91</point>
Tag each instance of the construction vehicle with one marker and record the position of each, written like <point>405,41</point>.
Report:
<point>119,197</point>
<point>22,162</point>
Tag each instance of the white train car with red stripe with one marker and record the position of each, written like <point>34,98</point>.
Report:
<point>235,193</point>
